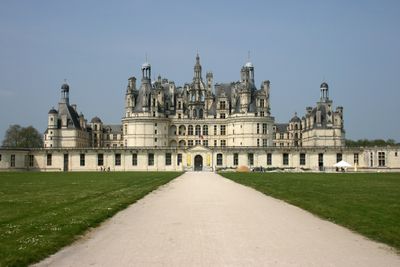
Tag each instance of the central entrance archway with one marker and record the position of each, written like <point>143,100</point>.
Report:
<point>198,163</point>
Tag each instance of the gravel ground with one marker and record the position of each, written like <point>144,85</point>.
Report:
<point>202,219</point>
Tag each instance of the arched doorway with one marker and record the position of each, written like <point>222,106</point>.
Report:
<point>198,163</point>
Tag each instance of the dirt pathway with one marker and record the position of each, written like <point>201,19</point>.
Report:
<point>202,219</point>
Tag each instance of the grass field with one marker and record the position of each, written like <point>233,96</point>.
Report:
<point>366,203</point>
<point>42,212</point>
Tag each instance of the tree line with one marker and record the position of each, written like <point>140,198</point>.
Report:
<point>22,137</point>
<point>369,143</point>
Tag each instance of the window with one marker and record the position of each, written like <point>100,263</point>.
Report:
<point>219,159</point>
<point>381,159</point>
<point>371,159</point>
<point>222,115</point>
<point>250,159</point>
<point>167,159</point>
<point>197,142</point>
<point>215,129</point>
<point>222,104</point>
<point>281,136</point>
<point>285,159</point>
<point>395,154</point>
<point>261,103</point>
<point>302,159</point>
<point>223,142</point>
<point>235,159</point>
<point>150,159</point>
<point>49,159</point>
<point>100,159</point>
<point>338,157</point>
<point>269,159</point>
<point>126,129</point>
<point>321,161</point>
<point>258,142</point>
<point>30,160</point>
<point>258,128</point>
<point>12,161</point>
<point>205,142</point>
<point>190,130</point>
<point>179,159</point>
<point>179,105</point>
<point>134,159</point>
<point>117,159</point>
<point>215,142</point>
<point>355,158</point>
<point>82,159</point>
<point>190,142</point>
<point>114,137</point>
<point>261,113</point>
<point>0,157</point>
<point>205,130</point>
<point>265,142</point>
<point>198,130</point>
<point>265,129</point>
<point>223,129</point>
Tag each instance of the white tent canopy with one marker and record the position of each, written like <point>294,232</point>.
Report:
<point>342,164</point>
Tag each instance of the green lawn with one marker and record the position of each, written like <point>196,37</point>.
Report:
<point>366,203</point>
<point>42,212</point>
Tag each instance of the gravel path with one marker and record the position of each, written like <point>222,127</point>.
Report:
<point>202,219</point>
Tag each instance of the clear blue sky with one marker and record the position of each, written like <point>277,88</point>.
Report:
<point>98,45</point>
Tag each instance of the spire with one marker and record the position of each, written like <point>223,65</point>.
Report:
<point>197,68</point>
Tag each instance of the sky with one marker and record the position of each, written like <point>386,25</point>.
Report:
<point>97,45</point>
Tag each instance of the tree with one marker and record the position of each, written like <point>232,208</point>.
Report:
<point>23,137</point>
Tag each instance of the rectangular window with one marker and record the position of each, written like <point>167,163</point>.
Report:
<point>265,128</point>
<point>219,159</point>
<point>117,159</point>
<point>134,159</point>
<point>321,161</point>
<point>12,161</point>
<point>223,129</point>
<point>285,158</point>
<point>30,160</point>
<point>235,159</point>
<point>215,142</point>
<point>261,103</point>
<point>281,136</point>
<point>150,159</point>
<point>205,142</point>
<point>258,142</point>
<point>339,157</point>
<point>381,159</point>
<point>215,129</point>
<point>197,142</point>
<point>222,115</point>
<point>168,160</point>
<point>179,159</point>
<point>82,159</point>
<point>261,113</point>
<point>49,159</point>
<point>250,159</point>
<point>190,142</point>
<point>302,159</point>
<point>100,159</point>
<point>223,142</point>
<point>356,158</point>
<point>222,104</point>
<point>205,130</point>
<point>269,159</point>
<point>265,142</point>
<point>371,159</point>
<point>258,128</point>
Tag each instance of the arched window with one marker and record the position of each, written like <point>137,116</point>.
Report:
<point>182,130</point>
<point>190,130</point>
<point>205,129</point>
<point>296,127</point>
<point>197,130</point>
<point>219,159</point>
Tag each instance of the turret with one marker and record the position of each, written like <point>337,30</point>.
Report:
<point>65,93</point>
<point>53,119</point>
<point>324,92</point>
<point>209,77</point>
